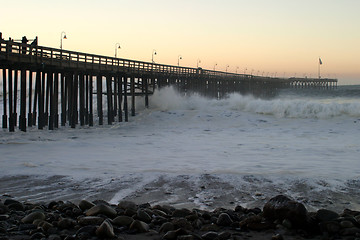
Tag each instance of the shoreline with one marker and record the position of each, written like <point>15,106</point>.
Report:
<point>280,218</point>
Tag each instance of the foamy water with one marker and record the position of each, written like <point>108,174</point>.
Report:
<point>241,148</point>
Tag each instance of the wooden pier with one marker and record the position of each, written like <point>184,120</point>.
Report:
<point>60,87</point>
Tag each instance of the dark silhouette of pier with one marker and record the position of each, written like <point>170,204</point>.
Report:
<point>60,87</point>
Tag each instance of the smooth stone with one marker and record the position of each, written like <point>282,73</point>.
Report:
<point>3,217</point>
<point>325,215</point>
<point>3,209</point>
<point>286,223</point>
<point>330,227</point>
<point>85,205</point>
<point>346,224</point>
<point>182,223</point>
<point>105,230</point>
<point>127,205</point>
<point>16,206</point>
<point>209,236</point>
<point>170,235</point>
<point>224,236</point>
<point>90,220</point>
<point>277,237</point>
<point>101,209</point>
<point>143,216</point>
<point>38,235</point>
<point>122,221</point>
<point>350,231</point>
<point>224,220</point>
<point>185,237</point>
<point>33,216</point>
<point>181,212</point>
<point>54,237</point>
<point>282,207</point>
<point>66,223</point>
<point>139,226</point>
<point>166,227</point>
<point>210,227</point>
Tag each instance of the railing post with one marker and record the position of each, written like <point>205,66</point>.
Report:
<point>4,120</point>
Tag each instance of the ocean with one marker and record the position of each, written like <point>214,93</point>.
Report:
<point>191,151</point>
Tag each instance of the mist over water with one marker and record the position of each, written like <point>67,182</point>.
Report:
<point>242,149</point>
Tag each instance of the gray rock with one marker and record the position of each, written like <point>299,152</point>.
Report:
<point>122,221</point>
<point>282,207</point>
<point>127,205</point>
<point>101,209</point>
<point>185,237</point>
<point>139,226</point>
<point>90,220</point>
<point>54,237</point>
<point>3,208</point>
<point>224,220</point>
<point>105,230</point>
<point>85,205</point>
<point>331,227</point>
<point>33,216</point>
<point>350,231</point>
<point>66,223</point>
<point>181,212</point>
<point>346,224</point>
<point>209,235</point>
<point>170,235</point>
<point>166,227</point>
<point>224,236</point>
<point>143,216</point>
<point>3,217</point>
<point>324,215</point>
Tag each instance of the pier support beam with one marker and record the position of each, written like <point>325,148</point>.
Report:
<point>4,117</point>
<point>132,89</point>
<point>99,99</point>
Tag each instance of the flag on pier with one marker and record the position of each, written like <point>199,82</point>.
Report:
<point>320,62</point>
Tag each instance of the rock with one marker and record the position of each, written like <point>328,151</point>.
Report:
<point>170,235</point>
<point>3,208</point>
<point>127,205</point>
<point>185,237</point>
<point>224,236</point>
<point>331,227</point>
<point>350,231</point>
<point>14,205</point>
<point>166,227</point>
<point>105,230</point>
<point>324,215</point>
<point>66,223</point>
<point>86,232</point>
<point>139,226</point>
<point>54,237</point>
<point>286,223</point>
<point>182,223</point>
<point>224,220</point>
<point>277,237</point>
<point>85,205</point>
<point>122,221</point>
<point>210,227</point>
<point>38,235</point>
<point>3,217</point>
<point>282,207</point>
<point>101,209</point>
<point>33,216</point>
<point>209,236</point>
<point>143,216</point>
<point>181,213</point>
<point>90,220</point>
<point>346,224</point>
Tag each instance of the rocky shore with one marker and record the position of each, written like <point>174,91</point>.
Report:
<point>280,218</point>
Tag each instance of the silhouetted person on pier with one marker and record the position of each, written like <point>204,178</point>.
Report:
<point>35,42</point>
<point>24,41</point>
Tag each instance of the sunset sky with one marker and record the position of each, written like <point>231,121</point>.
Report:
<point>283,37</point>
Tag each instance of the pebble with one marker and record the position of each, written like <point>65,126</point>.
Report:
<point>139,226</point>
<point>33,216</point>
<point>101,209</point>
<point>105,230</point>
<point>122,221</point>
<point>85,205</point>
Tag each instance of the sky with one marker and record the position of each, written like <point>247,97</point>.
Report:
<point>279,37</point>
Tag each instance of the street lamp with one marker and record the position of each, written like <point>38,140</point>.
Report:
<point>153,53</point>
<point>227,67</point>
<point>215,66</point>
<point>179,58</point>
<point>245,71</point>
<point>197,64</point>
<point>117,46</point>
<point>63,36</point>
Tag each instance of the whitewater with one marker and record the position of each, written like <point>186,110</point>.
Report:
<point>191,151</point>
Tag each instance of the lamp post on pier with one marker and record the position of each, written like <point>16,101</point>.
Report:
<point>179,58</point>
<point>236,69</point>
<point>197,63</point>
<point>117,46</point>
<point>153,53</point>
<point>227,68</point>
<point>215,66</point>
<point>63,36</point>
